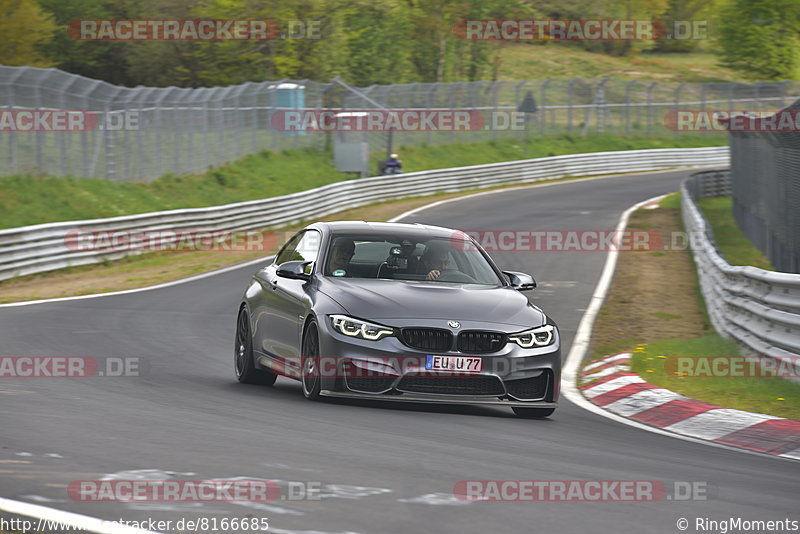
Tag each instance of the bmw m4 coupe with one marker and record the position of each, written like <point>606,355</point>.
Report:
<point>397,312</point>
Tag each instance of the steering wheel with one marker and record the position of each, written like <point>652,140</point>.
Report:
<point>452,275</point>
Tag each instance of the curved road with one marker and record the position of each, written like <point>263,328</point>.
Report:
<point>382,468</point>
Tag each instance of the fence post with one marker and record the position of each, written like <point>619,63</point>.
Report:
<point>628,106</point>
<point>12,138</point>
<point>649,108</point>
<point>544,105</point>
<point>677,102</point>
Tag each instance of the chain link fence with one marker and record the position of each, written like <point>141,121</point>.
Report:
<point>146,132</point>
<point>765,176</point>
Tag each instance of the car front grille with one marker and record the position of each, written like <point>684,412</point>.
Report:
<point>452,385</point>
<point>529,388</point>
<point>434,339</point>
<point>479,342</point>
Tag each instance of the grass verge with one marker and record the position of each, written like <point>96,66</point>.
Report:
<point>773,396</point>
<point>26,200</point>
<point>735,247</point>
<point>654,301</point>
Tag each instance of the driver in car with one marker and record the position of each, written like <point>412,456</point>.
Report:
<point>434,260</point>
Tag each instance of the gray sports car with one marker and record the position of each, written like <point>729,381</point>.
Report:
<point>397,312</point>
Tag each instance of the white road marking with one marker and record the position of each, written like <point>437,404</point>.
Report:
<point>643,400</point>
<point>185,507</point>
<point>550,184</point>
<point>611,385</point>
<point>141,289</point>
<point>145,474</point>
<point>285,531</point>
<point>437,499</point>
<point>343,491</point>
<point>795,454</point>
<point>80,522</point>
<point>604,361</point>
<point>714,424</point>
<point>271,508</point>
<point>39,498</point>
<point>289,467</point>
<point>606,372</point>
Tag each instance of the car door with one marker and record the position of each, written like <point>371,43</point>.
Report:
<point>284,302</point>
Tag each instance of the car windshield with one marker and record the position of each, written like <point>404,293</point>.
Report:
<point>399,257</point>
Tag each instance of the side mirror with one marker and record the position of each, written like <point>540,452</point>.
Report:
<point>520,281</point>
<point>296,270</point>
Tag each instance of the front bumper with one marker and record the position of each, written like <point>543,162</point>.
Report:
<point>504,371</point>
<point>438,399</point>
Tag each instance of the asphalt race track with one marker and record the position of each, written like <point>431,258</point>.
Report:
<point>382,468</point>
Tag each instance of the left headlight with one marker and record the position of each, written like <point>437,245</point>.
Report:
<point>352,327</point>
<point>537,337</point>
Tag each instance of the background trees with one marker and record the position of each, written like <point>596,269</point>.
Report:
<point>375,41</point>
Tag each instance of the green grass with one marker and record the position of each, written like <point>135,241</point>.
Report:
<point>671,202</point>
<point>26,199</point>
<point>732,243</point>
<point>774,396</point>
<point>526,61</point>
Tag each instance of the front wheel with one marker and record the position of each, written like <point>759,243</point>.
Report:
<point>533,413</point>
<point>310,362</point>
<point>244,365</point>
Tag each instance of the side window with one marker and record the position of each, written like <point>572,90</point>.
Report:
<point>288,249</point>
<point>302,247</point>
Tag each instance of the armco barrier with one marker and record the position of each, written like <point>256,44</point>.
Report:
<point>39,248</point>
<point>759,309</point>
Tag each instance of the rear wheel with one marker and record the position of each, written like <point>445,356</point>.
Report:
<point>310,371</point>
<point>533,413</point>
<point>243,361</point>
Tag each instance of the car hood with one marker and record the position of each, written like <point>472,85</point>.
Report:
<point>397,299</point>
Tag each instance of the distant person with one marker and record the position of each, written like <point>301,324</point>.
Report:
<point>392,165</point>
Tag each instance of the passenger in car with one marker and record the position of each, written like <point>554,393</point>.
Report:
<point>341,252</point>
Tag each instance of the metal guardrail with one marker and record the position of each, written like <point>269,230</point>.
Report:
<point>44,247</point>
<point>759,309</point>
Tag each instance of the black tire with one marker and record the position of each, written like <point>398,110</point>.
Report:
<point>310,365</point>
<point>243,361</point>
<point>533,413</point>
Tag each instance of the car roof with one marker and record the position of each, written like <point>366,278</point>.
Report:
<point>421,231</point>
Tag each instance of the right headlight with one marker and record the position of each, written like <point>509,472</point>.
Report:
<point>536,337</point>
<point>353,327</point>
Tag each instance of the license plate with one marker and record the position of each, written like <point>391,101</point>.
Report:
<point>454,363</point>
